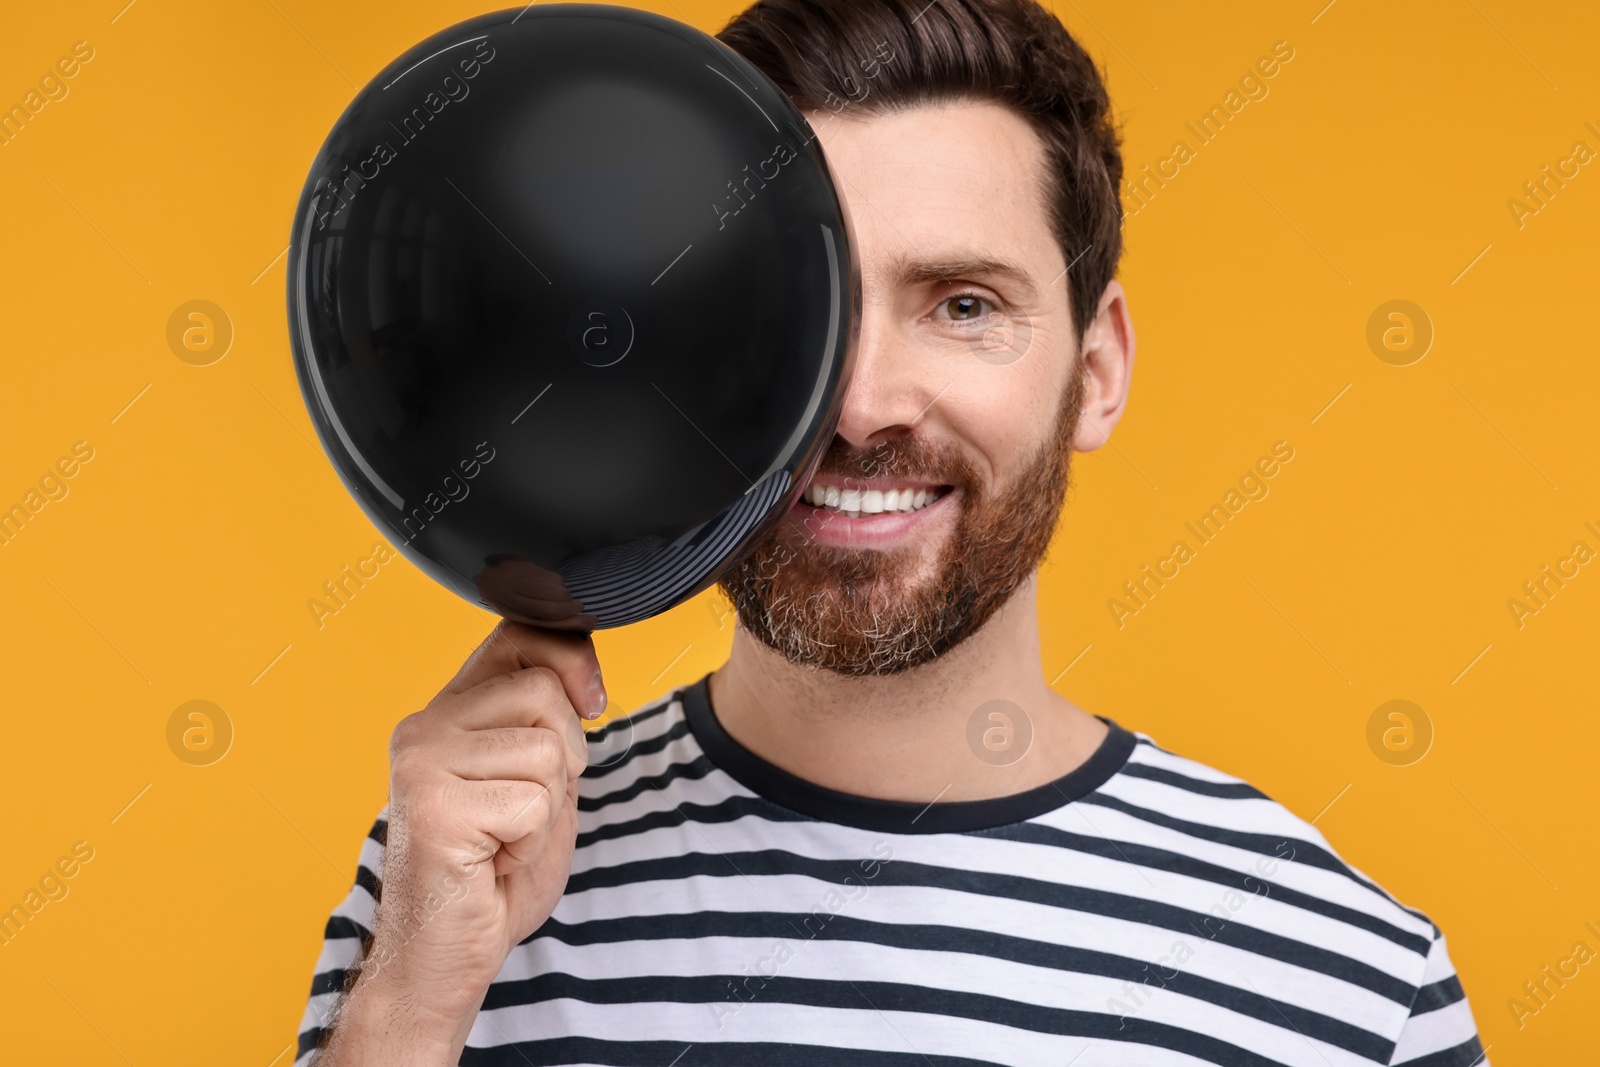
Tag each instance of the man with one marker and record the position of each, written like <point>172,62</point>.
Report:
<point>875,835</point>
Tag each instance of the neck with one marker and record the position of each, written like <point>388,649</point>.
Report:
<point>906,736</point>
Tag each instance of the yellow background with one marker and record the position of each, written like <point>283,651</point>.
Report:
<point>180,565</point>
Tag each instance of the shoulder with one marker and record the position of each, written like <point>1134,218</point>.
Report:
<point>1165,790</point>
<point>1194,819</point>
<point>1267,879</point>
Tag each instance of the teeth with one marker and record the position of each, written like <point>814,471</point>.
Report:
<point>857,502</point>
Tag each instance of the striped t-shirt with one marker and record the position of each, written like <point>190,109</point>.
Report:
<point>1143,909</point>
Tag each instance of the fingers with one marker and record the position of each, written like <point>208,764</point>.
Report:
<point>531,697</point>
<point>510,753</point>
<point>519,852</point>
<point>511,811</point>
<point>514,726</point>
<point>511,646</point>
<point>478,816</point>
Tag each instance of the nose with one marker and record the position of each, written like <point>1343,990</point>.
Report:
<point>890,390</point>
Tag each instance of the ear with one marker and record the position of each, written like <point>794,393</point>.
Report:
<point>1107,360</point>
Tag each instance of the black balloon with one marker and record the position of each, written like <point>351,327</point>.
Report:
<point>572,297</point>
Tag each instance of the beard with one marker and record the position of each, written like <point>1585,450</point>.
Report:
<point>862,612</point>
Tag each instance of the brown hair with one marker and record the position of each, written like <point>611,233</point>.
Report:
<point>875,56</point>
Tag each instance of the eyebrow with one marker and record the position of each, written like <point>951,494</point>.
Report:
<point>921,271</point>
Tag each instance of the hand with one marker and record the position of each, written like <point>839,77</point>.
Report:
<point>483,816</point>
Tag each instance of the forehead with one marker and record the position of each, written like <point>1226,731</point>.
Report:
<point>946,182</point>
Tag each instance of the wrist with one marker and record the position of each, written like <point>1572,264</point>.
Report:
<point>384,1025</point>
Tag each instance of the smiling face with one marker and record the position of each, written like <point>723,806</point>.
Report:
<point>940,491</point>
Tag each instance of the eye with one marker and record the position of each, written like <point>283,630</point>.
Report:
<point>968,307</point>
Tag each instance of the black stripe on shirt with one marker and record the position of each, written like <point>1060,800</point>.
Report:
<point>568,1050</point>
<point>723,811</point>
<point>1225,790</point>
<point>338,926</point>
<point>308,1040</point>
<point>1436,995</point>
<point>1314,854</point>
<point>1068,898</point>
<point>630,721</point>
<point>691,771</point>
<point>369,881</point>
<point>781,926</point>
<point>1157,858</point>
<point>1306,852</point>
<point>1140,855</point>
<point>333,981</point>
<point>638,748</point>
<point>714,990</point>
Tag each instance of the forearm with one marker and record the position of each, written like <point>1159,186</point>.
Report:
<point>375,1024</point>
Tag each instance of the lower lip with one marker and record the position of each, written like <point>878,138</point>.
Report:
<point>882,530</point>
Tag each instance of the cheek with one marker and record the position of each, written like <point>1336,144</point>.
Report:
<point>1036,386</point>
<point>1000,417</point>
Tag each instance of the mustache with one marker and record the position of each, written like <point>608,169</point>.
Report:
<point>912,458</point>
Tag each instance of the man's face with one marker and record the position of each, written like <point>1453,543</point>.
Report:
<point>940,491</point>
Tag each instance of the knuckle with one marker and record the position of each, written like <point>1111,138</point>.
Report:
<point>406,733</point>
<point>532,802</point>
<point>542,682</point>
<point>546,752</point>
<point>402,769</point>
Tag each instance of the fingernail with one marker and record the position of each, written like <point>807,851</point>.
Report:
<point>597,697</point>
